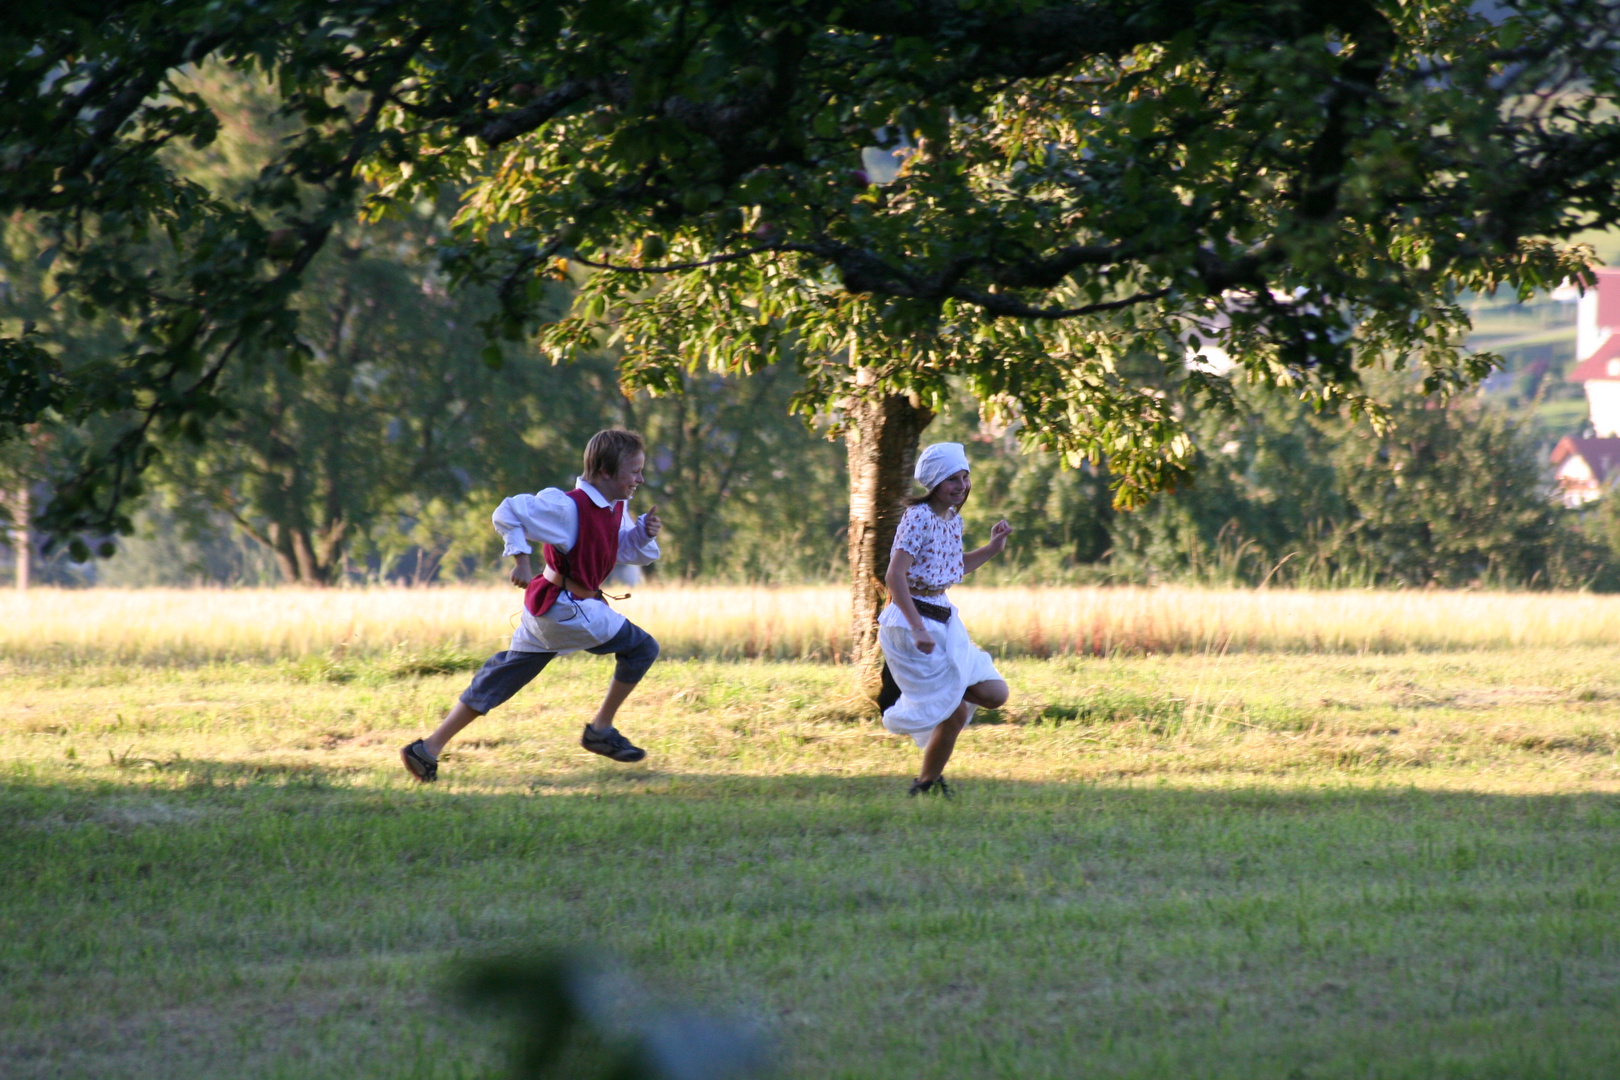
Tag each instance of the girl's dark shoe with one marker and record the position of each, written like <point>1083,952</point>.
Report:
<point>419,763</point>
<point>610,744</point>
<point>936,786</point>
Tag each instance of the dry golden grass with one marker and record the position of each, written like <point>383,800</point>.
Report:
<point>1106,621</point>
<point>176,625</point>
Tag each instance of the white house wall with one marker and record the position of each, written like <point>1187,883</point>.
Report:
<point>1603,398</point>
<point>1588,335</point>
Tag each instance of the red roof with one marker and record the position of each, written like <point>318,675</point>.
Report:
<point>1603,364</point>
<point>1608,290</point>
<point>1602,456</point>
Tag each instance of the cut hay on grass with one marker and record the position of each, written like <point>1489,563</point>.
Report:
<point>804,623</point>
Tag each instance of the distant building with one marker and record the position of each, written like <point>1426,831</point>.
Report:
<point>1587,467</point>
<point>1598,313</point>
<point>1597,350</point>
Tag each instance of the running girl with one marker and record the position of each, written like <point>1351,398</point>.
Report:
<point>941,675</point>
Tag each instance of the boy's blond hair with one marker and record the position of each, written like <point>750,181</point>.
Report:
<point>606,451</point>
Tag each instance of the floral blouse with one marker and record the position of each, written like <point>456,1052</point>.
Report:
<point>935,546</point>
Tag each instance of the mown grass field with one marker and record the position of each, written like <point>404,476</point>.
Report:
<point>1244,864</point>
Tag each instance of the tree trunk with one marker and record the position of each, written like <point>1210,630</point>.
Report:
<point>882,438</point>
<point>301,560</point>
<point>695,503</point>
<point>22,536</point>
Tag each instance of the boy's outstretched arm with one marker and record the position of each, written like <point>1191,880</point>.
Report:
<point>972,560</point>
<point>638,539</point>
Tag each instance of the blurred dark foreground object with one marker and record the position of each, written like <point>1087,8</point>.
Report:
<point>564,1007</point>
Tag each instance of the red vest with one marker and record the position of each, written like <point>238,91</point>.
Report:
<point>595,553</point>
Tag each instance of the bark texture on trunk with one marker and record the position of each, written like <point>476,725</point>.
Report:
<point>22,536</point>
<point>882,439</point>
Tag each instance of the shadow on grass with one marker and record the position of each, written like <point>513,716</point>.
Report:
<point>1027,928</point>
<point>636,789</point>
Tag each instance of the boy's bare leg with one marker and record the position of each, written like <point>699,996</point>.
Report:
<point>937,754</point>
<point>459,717</point>
<point>616,693</point>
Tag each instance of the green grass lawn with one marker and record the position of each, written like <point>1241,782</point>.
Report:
<point>1239,866</point>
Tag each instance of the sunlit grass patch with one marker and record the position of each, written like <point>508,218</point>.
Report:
<point>1230,864</point>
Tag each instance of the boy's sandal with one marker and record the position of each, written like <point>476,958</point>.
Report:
<point>419,763</point>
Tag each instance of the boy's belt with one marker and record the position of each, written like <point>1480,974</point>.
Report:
<point>576,587</point>
<point>937,612</point>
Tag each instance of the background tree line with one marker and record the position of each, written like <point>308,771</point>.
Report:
<point>1451,496</point>
<point>377,451</point>
<point>379,458</point>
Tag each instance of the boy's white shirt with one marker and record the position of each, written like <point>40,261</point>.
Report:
<point>551,517</point>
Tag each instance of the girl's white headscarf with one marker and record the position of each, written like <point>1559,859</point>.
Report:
<point>939,462</point>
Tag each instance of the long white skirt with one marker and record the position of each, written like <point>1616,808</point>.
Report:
<point>931,684</point>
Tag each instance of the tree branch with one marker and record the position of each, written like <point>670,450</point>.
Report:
<point>1011,307</point>
<point>1048,272</point>
<point>518,122</point>
<point>714,260</point>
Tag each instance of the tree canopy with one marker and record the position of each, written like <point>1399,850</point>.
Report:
<point>1059,202</point>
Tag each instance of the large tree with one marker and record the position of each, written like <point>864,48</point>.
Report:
<point>1044,197</point>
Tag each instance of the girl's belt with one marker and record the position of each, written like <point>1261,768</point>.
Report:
<point>937,612</point>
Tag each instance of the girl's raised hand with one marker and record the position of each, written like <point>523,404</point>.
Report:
<point>999,533</point>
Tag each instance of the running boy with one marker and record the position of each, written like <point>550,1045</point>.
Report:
<point>585,532</point>
<point>941,675</point>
